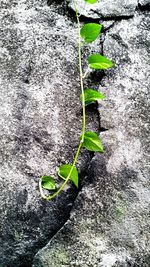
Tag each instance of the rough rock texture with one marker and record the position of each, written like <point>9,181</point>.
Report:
<point>40,120</point>
<point>40,123</point>
<point>109,224</point>
<point>106,8</point>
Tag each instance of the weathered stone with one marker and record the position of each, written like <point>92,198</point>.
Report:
<point>109,224</point>
<point>106,8</point>
<point>40,123</point>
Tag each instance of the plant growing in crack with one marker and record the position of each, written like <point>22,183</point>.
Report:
<point>88,140</point>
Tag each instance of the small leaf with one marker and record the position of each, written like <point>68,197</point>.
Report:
<point>64,171</point>
<point>91,1</point>
<point>91,96</point>
<point>90,32</point>
<point>96,61</point>
<point>92,142</point>
<point>48,182</point>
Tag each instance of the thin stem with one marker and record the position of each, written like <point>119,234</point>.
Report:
<point>83,116</point>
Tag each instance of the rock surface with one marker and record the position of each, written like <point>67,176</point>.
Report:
<point>106,8</point>
<point>40,123</point>
<point>40,120</point>
<point>109,223</point>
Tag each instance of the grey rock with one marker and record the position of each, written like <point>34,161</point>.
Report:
<point>109,224</point>
<point>106,8</point>
<point>40,123</point>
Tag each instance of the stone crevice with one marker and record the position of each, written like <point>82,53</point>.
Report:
<point>36,117</point>
<point>85,173</point>
<point>124,206</point>
<point>143,8</point>
<point>83,180</point>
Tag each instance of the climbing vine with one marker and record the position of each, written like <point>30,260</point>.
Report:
<point>89,140</point>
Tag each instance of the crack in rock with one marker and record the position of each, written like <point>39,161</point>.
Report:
<point>144,5</point>
<point>107,9</point>
<point>40,123</point>
<point>109,219</point>
<point>38,75</point>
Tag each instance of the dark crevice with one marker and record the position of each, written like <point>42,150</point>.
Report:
<point>95,77</point>
<point>83,19</point>
<point>103,129</point>
<point>113,17</point>
<point>83,174</point>
<point>25,259</point>
<point>143,8</point>
<point>71,14</point>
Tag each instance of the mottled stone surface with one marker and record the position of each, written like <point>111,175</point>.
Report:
<point>40,123</point>
<point>106,8</point>
<point>109,224</point>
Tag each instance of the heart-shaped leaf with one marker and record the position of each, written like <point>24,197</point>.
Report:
<point>48,182</point>
<point>90,1</point>
<point>64,171</point>
<point>90,32</point>
<point>96,61</point>
<point>92,142</point>
<point>91,96</point>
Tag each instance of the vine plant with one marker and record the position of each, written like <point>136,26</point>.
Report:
<point>89,140</point>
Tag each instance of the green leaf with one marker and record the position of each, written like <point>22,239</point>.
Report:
<point>64,171</point>
<point>91,1</point>
<point>92,142</point>
<point>91,96</point>
<point>48,182</point>
<point>96,61</point>
<point>90,32</point>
